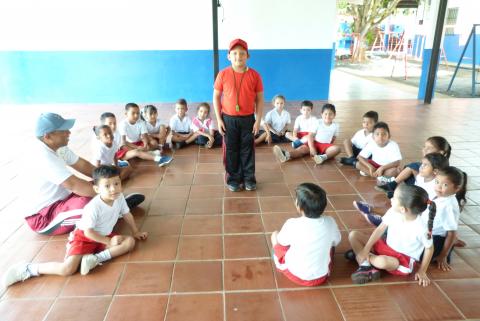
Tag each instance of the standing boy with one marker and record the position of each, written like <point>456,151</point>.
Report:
<point>238,104</point>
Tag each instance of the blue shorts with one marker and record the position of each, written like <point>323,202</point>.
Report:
<point>356,150</point>
<point>415,166</point>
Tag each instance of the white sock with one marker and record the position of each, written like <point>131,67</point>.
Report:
<point>365,263</point>
<point>103,256</point>
<point>33,269</point>
<point>287,154</point>
<point>157,158</point>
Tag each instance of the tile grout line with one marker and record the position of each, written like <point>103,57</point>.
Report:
<point>448,299</point>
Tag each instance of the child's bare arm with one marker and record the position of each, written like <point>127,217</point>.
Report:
<point>421,275</point>
<point>442,257</point>
<point>333,140</point>
<point>133,227</point>
<point>217,108</point>
<point>311,144</point>
<point>93,235</point>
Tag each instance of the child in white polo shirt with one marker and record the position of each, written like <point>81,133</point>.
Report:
<point>304,124</point>
<point>275,123</point>
<point>363,136</point>
<point>93,242</point>
<point>385,154</point>
<point>181,125</point>
<point>304,247</point>
<point>134,138</point>
<point>105,150</point>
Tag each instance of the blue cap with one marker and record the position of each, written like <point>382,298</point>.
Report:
<point>50,122</point>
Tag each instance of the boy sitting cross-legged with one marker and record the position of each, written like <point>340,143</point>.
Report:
<point>92,242</point>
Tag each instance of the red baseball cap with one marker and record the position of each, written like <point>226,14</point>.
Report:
<point>238,42</point>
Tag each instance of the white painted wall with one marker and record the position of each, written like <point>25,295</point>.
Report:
<point>278,24</point>
<point>163,25</point>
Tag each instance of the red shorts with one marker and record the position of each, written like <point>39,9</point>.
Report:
<point>59,217</point>
<point>322,147</point>
<point>279,251</point>
<point>79,244</point>
<point>123,150</point>
<point>300,135</point>
<point>374,164</point>
<point>406,262</point>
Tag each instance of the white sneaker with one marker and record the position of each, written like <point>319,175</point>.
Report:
<point>319,159</point>
<point>363,173</point>
<point>382,180</point>
<point>155,152</point>
<point>280,154</point>
<point>16,273</point>
<point>89,261</point>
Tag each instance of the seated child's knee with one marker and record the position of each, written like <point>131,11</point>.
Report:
<point>129,243</point>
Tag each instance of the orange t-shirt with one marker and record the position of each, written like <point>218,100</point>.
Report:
<point>250,86</point>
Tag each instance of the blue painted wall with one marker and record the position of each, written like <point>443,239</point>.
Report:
<point>120,76</point>
<point>427,54</point>
<point>453,50</point>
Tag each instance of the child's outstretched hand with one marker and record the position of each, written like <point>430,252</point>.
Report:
<point>140,235</point>
<point>422,278</point>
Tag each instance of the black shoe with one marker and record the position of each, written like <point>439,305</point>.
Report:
<point>350,255</point>
<point>390,195</point>
<point>234,187</point>
<point>365,274</point>
<point>250,186</point>
<point>384,188</point>
<point>350,161</point>
<point>134,199</point>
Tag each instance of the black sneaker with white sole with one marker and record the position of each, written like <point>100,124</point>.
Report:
<point>134,199</point>
<point>250,186</point>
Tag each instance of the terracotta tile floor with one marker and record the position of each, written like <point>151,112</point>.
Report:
<point>208,254</point>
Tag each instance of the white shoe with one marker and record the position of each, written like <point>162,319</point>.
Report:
<point>382,180</point>
<point>16,273</point>
<point>89,261</point>
<point>319,159</point>
<point>280,154</point>
<point>155,152</point>
<point>363,173</point>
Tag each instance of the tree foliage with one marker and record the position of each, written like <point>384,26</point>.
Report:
<point>366,17</point>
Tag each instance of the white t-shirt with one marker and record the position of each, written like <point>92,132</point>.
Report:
<point>102,217</point>
<point>307,125</point>
<point>180,125</point>
<point>427,186</point>
<point>406,237</point>
<point>154,129</point>
<point>325,133</point>
<point>133,132</point>
<point>360,139</point>
<point>277,121</point>
<point>43,176</point>
<point>310,242</point>
<point>104,154</point>
<point>446,217</point>
<point>382,155</point>
<point>117,138</point>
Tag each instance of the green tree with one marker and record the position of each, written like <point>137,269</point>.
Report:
<point>366,17</point>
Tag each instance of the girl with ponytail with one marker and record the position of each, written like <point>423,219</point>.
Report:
<point>408,236</point>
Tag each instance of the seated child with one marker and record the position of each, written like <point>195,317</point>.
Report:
<point>320,141</point>
<point>385,154</point>
<point>204,128</point>
<point>450,189</point>
<point>275,123</point>
<point>435,144</point>
<point>92,242</point>
<point>157,131</point>
<point>181,125</point>
<point>105,150</point>
<point>432,164</point>
<point>408,236</point>
<point>134,138</point>
<point>304,247</point>
<point>360,139</point>
<point>303,126</point>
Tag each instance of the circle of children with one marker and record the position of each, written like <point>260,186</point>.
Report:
<point>420,227</point>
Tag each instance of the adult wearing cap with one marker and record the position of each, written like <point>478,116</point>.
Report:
<point>238,105</point>
<point>55,198</point>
